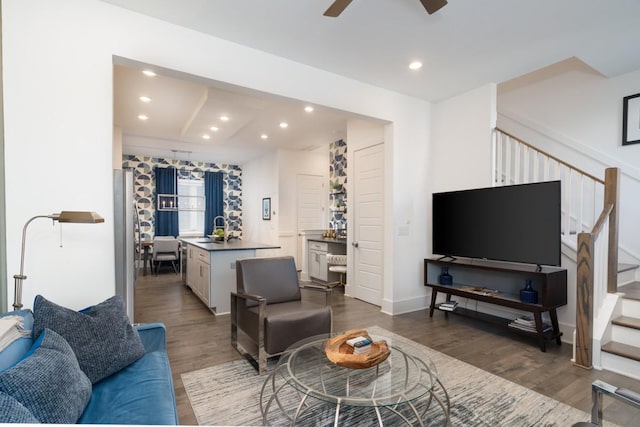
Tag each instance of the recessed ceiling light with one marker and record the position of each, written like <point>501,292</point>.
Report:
<point>214,128</point>
<point>224,118</point>
<point>415,65</point>
<point>145,99</point>
<point>143,117</point>
<point>284,125</point>
<point>205,136</point>
<point>149,73</point>
<point>308,109</point>
<point>264,136</point>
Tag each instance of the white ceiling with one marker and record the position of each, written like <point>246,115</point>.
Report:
<point>184,108</point>
<point>465,45</point>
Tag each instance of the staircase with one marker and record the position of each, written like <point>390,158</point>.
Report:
<point>608,304</point>
<point>621,353</point>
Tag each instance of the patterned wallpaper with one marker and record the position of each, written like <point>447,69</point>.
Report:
<point>145,189</point>
<point>338,184</point>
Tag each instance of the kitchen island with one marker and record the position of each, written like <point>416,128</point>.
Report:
<point>211,268</point>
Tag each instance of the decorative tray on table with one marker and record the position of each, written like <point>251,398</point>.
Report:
<point>341,353</point>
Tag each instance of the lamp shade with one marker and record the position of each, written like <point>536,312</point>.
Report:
<point>79,217</point>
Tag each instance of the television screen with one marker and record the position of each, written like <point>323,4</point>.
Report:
<point>517,223</point>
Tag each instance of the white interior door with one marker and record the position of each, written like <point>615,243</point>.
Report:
<point>368,225</point>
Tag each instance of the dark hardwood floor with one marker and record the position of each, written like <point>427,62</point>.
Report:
<point>197,339</point>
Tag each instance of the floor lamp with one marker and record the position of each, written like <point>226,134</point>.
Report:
<point>64,216</point>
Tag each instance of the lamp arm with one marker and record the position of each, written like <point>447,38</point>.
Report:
<point>19,278</point>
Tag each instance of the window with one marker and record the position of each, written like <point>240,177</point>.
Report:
<point>191,205</point>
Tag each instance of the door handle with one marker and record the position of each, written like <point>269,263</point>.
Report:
<point>354,244</point>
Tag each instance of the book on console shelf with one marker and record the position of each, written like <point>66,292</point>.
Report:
<point>526,321</point>
<point>448,305</point>
<point>480,290</point>
<point>546,327</point>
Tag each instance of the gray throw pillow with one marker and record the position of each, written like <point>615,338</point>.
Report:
<point>101,336</point>
<point>47,383</point>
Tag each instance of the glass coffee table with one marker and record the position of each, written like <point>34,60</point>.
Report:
<point>306,388</point>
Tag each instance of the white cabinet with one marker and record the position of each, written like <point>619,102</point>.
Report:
<point>318,260</point>
<point>198,272</point>
<point>318,267</point>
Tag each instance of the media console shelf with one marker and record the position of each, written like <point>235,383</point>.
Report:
<point>499,283</point>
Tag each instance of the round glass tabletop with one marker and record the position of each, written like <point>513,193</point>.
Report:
<point>401,388</point>
<point>403,376</point>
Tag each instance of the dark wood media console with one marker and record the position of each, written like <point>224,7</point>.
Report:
<point>499,283</point>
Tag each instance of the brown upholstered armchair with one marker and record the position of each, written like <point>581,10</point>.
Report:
<point>269,309</point>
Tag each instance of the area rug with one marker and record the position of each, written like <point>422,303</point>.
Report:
<point>228,394</point>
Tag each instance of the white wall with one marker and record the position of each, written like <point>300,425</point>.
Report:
<point>461,152</point>
<point>58,117</point>
<point>260,180</point>
<point>275,175</point>
<point>576,115</point>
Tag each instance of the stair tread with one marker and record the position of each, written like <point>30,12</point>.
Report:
<point>631,290</point>
<point>624,350</point>
<point>627,321</point>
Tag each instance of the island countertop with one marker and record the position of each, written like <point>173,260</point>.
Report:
<point>233,245</point>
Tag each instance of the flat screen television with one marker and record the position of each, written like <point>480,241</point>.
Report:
<point>517,223</point>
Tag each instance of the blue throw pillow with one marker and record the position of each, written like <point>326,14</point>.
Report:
<point>101,336</point>
<point>48,382</point>
<point>12,411</point>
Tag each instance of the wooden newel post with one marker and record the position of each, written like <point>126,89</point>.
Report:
<point>584,308</point>
<point>612,197</point>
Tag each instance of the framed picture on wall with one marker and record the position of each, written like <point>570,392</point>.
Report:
<point>631,119</point>
<point>266,208</point>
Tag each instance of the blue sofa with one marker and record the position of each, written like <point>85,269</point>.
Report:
<point>141,393</point>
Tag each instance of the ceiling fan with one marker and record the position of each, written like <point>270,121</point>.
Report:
<point>338,6</point>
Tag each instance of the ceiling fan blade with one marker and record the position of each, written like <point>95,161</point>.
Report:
<point>337,7</point>
<point>433,6</point>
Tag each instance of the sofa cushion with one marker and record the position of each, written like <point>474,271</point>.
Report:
<point>48,381</point>
<point>12,411</point>
<point>17,349</point>
<point>141,393</point>
<point>101,336</point>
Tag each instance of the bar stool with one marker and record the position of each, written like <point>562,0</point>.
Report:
<point>337,264</point>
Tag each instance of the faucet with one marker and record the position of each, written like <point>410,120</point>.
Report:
<point>224,225</point>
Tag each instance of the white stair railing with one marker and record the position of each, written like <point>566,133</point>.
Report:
<point>517,162</point>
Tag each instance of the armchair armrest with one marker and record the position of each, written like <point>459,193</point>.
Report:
<point>245,296</point>
<point>327,291</point>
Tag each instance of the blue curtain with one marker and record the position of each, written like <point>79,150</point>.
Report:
<point>166,222</point>
<point>214,200</point>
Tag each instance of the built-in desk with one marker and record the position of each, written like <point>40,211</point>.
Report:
<point>318,250</point>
